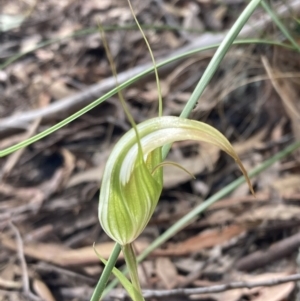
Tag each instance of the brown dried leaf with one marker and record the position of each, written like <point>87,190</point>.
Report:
<point>59,89</point>
<point>270,212</point>
<point>10,284</point>
<point>45,252</point>
<point>288,94</point>
<point>206,239</point>
<point>61,255</point>
<point>219,217</point>
<point>145,270</point>
<point>175,11</point>
<point>68,167</point>
<point>238,201</point>
<point>151,95</point>
<point>252,142</point>
<point>172,40</point>
<point>91,175</point>
<point>7,272</point>
<point>288,184</point>
<point>167,272</point>
<point>207,157</point>
<point>42,290</point>
<point>191,19</point>
<point>87,255</point>
<point>275,293</point>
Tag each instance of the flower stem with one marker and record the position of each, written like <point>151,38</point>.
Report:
<point>131,263</point>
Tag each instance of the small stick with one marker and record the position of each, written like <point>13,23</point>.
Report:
<point>214,288</point>
<point>277,251</point>
<point>25,277</point>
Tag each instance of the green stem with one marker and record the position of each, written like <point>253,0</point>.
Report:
<point>106,273</point>
<point>219,55</point>
<point>132,267</point>
<point>215,62</point>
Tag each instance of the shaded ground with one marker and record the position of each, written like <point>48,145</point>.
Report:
<point>49,191</point>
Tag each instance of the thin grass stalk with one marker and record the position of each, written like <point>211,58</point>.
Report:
<point>215,62</point>
<point>280,24</point>
<point>122,86</point>
<point>160,102</point>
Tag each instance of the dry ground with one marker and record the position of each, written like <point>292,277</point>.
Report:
<point>49,191</point>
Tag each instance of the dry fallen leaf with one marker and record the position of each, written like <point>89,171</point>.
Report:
<point>288,94</point>
<point>270,212</point>
<point>42,290</point>
<point>252,142</point>
<point>145,270</point>
<point>207,157</point>
<point>274,293</point>
<point>167,272</point>
<point>219,217</point>
<point>206,239</point>
<point>68,167</point>
<point>10,284</point>
<point>59,89</point>
<point>61,255</point>
<point>288,184</point>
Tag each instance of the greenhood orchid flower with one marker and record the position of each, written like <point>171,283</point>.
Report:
<point>131,184</point>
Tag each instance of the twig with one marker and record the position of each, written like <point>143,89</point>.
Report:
<point>74,102</point>
<point>9,284</point>
<point>290,107</point>
<point>216,288</point>
<point>121,294</point>
<point>14,158</point>
<point>25,277</point>
<point>278,250</point>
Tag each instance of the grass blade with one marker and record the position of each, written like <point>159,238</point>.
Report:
<point>280,24</point>
<point>215,61</point>
<point>127,83</point>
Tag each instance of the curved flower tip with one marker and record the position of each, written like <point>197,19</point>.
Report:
<point>130,189</point>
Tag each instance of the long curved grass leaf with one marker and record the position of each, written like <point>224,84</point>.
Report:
<point>127,83</point>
